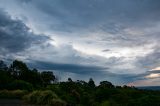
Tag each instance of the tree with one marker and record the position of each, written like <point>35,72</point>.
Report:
<point>5,78</point>
<point>18,69</point>
<point>20,84</point>
<point>91,83</point>
<point>34,77</point>
<point>69,80</point>
<point>47,77</point>
<point>106,84</point>
<point>3,66</point>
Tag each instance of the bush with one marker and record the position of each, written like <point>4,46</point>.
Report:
<point>105,103</point>
<point>57,102</point>
<point>43,98</point>
<point>32,97</point>
<point>5,94</point>
<point>19,84</point>
<point>12,94</point>
<point>19,93</point>
<point>46,97</point>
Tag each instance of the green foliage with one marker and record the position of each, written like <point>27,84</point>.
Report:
<point>5,79</point>
<point>147,100</point>
<point>12,94</point>
<point>43,98</point>
<point>106,84</point>
<point>91,83</point>
<point>47,77</point>
<point>20,84</point>
<point>57,102</point>
<point>105,103</point>
<point>17,69</point>
<point>19,76</point>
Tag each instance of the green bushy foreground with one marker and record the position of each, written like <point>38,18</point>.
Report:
<point>9,94</point>
<point>46,97</point>
<point>42,88</point>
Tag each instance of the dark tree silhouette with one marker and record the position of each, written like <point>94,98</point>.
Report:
<point>91,83</point>
<point>69,80</point>
<point>106,84</point>
<point>3,66</point>
<point>19,70</point>
<point>47,77</point>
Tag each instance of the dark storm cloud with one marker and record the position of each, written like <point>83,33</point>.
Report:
<point>73,68</point>
<point>98,72</point>
<point>124,28</point>
<point>104,14</point>
<point>15,36</point>
<point>151,60</point>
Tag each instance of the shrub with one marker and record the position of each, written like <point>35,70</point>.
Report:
<point>32,97</point>
<point>43,98</point>
<point>12,94</point>
<point>105,103</point>
<point>5,94</point>
<point>19,84</point>
<point>57,102</point>
<point>46,97</point>
<point>19,93</point>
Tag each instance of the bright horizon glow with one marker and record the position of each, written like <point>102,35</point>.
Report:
<point>153,76</point>
<point>156,69</point>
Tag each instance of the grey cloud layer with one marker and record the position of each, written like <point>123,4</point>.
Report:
<point>84,72</point>
<point>15,36</point>
<point>73,68</point>
<point>103,13</point>
<point>128,29</point>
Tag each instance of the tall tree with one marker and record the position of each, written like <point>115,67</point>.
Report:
<point>47,77</point>
<point>91,83</point>
<point>18,69</point>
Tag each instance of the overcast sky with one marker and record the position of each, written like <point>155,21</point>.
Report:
<point>114,40</point>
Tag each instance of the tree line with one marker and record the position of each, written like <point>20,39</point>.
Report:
<point>19,73</point>
<point>43,87</point>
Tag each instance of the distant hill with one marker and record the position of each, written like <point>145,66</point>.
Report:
<point>149,87</point>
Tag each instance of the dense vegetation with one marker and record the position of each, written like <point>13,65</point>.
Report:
<point>42,88</point>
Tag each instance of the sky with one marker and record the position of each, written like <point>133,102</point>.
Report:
<point>113,40</point>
